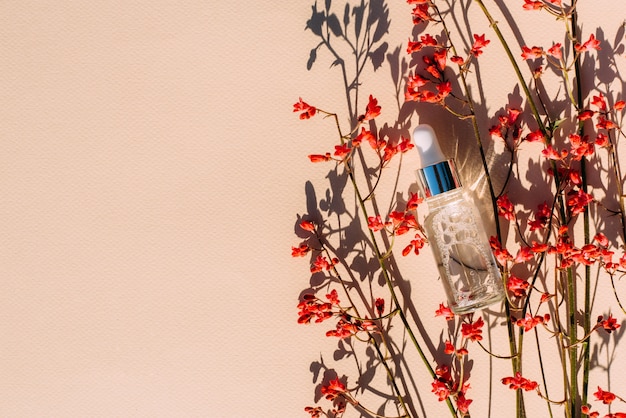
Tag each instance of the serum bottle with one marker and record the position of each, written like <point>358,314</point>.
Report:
<point>466,264</point>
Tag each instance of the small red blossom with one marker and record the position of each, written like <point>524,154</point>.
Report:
<point>599,102</point>
<point>300,251</point>
<point>591,44</point>
<point>587,411</point>
<point>321,263</point>
<point>462,403</point>
<point>556,51</point>
<point>479,43</point>
<point>318,158</point>
<point>530,322</point>
<point>307,226</point>
<point>311,307</point>
<point>375,223</point>
<point>372,110</point>
<point>343,329</point>
<point>333,389</point>
<point>524,254</point>
<point>416,245</point>
<point>505,207</point>
<point>413,202</point>
<point>440,389</point>
<point>473,330</point>
<point>532,53</point>
<point>585,115</point>
<point>316,412</point>
<point>342,150</point>
<point>610,324</point>
<point>604,396</point>
<point>517,286</point>
<point>601,239</point>
<point>619,105</point>
<point>332,297</point>
<point>365,135</point>
<point>578,200</point>
<point>518,382</point>
<point>553,154</point>
<point>581,147</point>
<point>502,254</point>
<point>535,136</point>
<point>457,60</point>
<point>420,13</point>
<point>532,5</point>
<point>449,348</point>
<point>604,123</point>
<point>602,140</point>
<point>307,110</point>
<point>444,311</point>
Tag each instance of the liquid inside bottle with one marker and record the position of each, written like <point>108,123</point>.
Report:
<point>466,264</point>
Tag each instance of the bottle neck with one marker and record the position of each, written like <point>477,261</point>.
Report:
<point>438,178</point>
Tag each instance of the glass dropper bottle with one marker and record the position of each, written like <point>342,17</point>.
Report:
<point>456,234</point>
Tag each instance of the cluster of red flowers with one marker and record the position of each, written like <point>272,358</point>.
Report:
<point>385,149</point>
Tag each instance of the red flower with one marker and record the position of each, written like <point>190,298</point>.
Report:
<point>365,135</point>
<point>518,382</point>
<point>307,226</point>
<point>517,286</point>
<point>587,411</point>
<point>300,251</point>
<point>463,403</point>
<point>530,322</point>
<point>333,389</point>
<point>332,297</point>
<point>321,263</point>
<point>413,202</point>
<point>306,109</point>
<point>375,223</point>
<point>449,348</point>
<point>532,5</point>
<point>420,13</point>
<point>589,45</point>
<point>318,158</point>
<point>505,208</point>
<point>473,330</point>
<point>441,390</point>
<point>585,115</point>
<point>610,324</point>
<point>479,43</point>
<point>445,312</point>
<point>578,200</point>
<point>314,411</point>
<point>601,239</point>
<point>599,102</point>
<point>342,150</point>
<point>602,140</point>
<point>371,111</point>
<point>604,396</point>
<point>556,51</point>
<point>535,136</point>
<point>619,105</point>
<point>532,53</point>
<point>416,244</point>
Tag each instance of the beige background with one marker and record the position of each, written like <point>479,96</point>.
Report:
<point>151,173</point>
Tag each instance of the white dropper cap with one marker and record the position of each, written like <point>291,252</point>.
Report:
<point>438,174</point>
<point>427,145</point>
